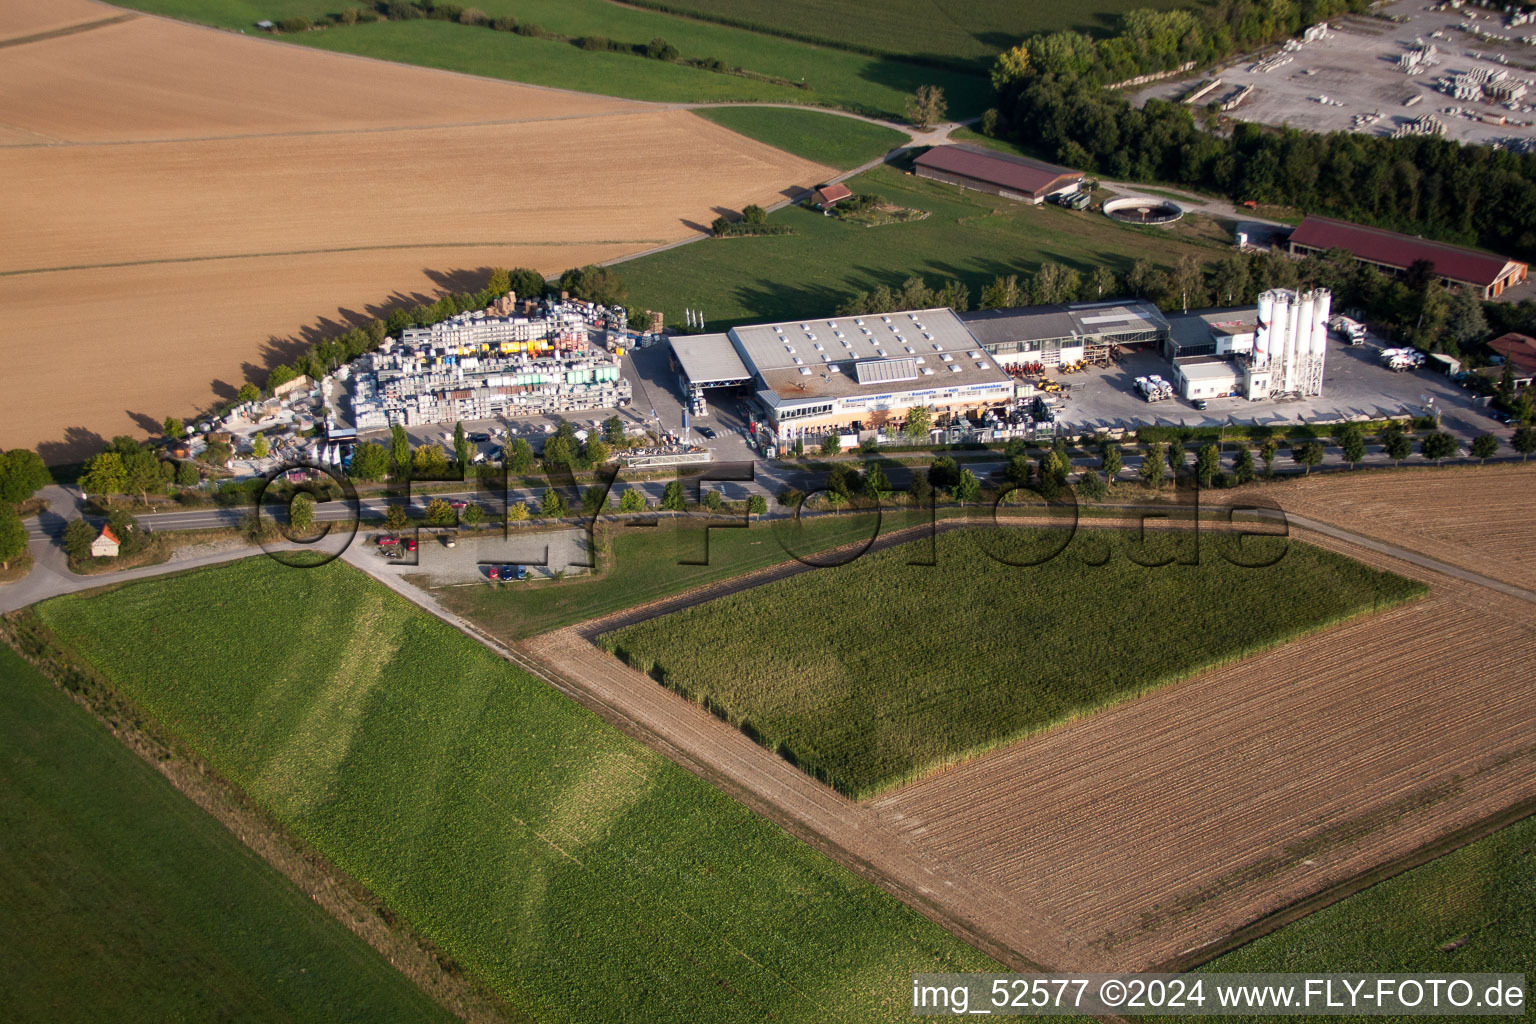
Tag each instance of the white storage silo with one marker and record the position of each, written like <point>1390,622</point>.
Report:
<point>1323,300</point>
<point>1280,322</point>
<point>1264,336</point>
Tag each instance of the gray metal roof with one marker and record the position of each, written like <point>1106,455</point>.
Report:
<point>826,357</point>
<point>709,358</point>
<point>1077,320</point>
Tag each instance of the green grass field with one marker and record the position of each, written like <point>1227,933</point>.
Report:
<point>878,672</point>
<point>642,564</point>
<point>828,139</point>
<point>1473,910</point>
<point>121,900</point>
<point>970,236</point>
<point>943,30</point>
<point>576,872</point>
<point>832,77</point>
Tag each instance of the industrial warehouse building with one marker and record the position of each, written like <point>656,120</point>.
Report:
<point>829,375</point>
<point>1060,335</point>
<point>1395,253</point>
<point>1001,174</point>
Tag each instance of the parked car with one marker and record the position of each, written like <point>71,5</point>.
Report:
<point>1202,404</point>
<point>493,573</point>
<point>458,505</point>
<point>516,572</point>
<point>478,437</point>
<point>708,432</point>
<point>410,544</point>
<point>388,540</point>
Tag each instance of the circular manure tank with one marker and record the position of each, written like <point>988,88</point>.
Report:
<point>1143,210</point>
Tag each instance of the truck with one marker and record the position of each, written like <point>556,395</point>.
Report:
<point>1352,331</point>
<point>1154,388</point>
<point>1400,359</point>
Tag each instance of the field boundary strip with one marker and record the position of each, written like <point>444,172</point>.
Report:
<point>67,30</point>
<point>394,247</point>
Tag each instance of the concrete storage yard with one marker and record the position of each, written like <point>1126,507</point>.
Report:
<point>1356,66</point>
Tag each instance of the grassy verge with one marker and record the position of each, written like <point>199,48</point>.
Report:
<point>1469,911</point>
<point>575,872</point>
<point>641,564</point>
<point>18,568</point>
<point>969,236</point>
<point>830,77</point>
<point>826,139</point>
<point>132,904</point>
<point>880,671</point>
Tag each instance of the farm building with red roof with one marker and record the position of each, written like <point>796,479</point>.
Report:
<point>1001,174</point>
<point>1395,253</point>
<point>828,196</point>
<point>1519,351</point>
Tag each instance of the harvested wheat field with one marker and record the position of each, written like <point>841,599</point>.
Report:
<point>210,200</point>
<point>1477,517</point>
<point>1161,825</point>
<point>22,19</point>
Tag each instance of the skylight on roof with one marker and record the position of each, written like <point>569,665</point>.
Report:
<point>957,369</point>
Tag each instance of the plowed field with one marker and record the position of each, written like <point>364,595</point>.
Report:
<point>189,205</point>
<point>1161,825</point>
<point>1477,517</point>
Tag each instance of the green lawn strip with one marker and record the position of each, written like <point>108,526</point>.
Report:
<point>1472,910</point>
<point>122,900</point>
<point>878,672</point>
<point>832,77</point>
<point>970,236</point>
<point>970,30</point>
<point>577,873</point>
<point>827,139</point>
<point>641,564</point>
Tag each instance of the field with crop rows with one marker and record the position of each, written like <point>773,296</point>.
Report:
<point>1477,517</point>
<point>201,204</point>
<point>1470,911</point>
<point>969,236</point>
<point>580,875</point>
<point>121,900</point>
<point>776,69</point>
<point>882,671</point>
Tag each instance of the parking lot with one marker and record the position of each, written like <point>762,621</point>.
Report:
<point>544,552</point>
<point>1355,386</point>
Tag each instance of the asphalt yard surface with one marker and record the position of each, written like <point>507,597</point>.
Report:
<point>1355,385</point>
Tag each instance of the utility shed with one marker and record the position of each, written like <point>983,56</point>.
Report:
<point>1001,174</point>
<point>1205,376</point>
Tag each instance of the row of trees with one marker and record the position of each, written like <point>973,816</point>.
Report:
<point>1420,184</point>
<point>914,293</point>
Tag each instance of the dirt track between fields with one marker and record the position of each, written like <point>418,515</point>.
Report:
<point>1136,836</point>
<point>191,206</point>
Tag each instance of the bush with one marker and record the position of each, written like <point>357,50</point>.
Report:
<point>472,16</point>
<point>294,24</point>
<point>401,10</point>
<point>505,24</point>
<point>660,49</point>
<point>593,43</point>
